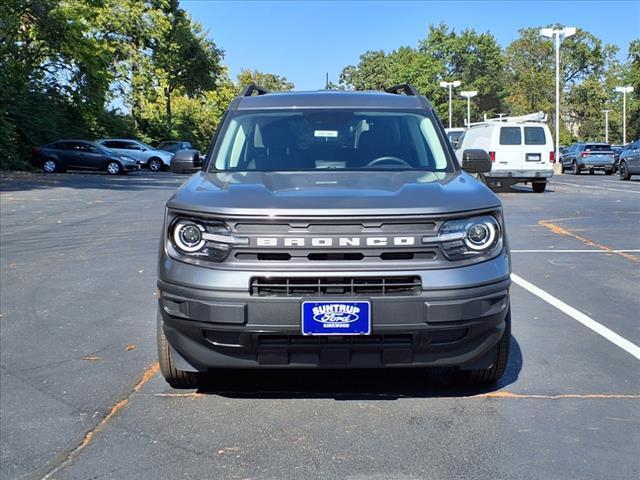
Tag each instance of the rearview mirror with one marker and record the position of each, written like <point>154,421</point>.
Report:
<point>186,161</point>
<point>475,160</point>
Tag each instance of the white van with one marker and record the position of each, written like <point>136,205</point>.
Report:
<point>521,150</point>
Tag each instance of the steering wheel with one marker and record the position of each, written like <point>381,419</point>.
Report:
<point>392,159</point>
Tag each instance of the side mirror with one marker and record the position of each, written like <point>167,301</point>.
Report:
<point>186,161</point>
<point>475,160</point>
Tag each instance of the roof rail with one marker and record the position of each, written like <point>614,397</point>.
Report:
<point>403,88</point>
<point>539,117</point>
<point>249,90</point>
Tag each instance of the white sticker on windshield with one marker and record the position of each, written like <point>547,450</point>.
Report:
<point>325,133</point>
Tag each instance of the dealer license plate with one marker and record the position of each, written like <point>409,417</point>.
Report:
<point>336,318</point>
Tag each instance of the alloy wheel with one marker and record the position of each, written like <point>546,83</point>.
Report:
<point>49,166</point>
<point>113,168</point>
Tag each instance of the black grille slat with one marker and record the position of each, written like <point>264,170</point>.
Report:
<point>375,340</point>
<point>335,286</point>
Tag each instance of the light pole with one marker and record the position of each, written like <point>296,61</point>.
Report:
<point>606,125</point>
<point>469,95</point>
<point>558,34</point>
<point>624,91</point>
<point>450,85</point>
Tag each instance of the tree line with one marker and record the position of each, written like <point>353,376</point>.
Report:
<point>145,69</point>
<point>518,79</point>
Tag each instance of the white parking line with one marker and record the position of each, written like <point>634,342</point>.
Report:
<point>593,187</point>
<point>585,320</point>
<point>550,250</point>
<point>622,184</point>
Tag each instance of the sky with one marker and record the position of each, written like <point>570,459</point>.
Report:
<point>305,40</point>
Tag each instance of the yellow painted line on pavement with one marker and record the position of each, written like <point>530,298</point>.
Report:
<point>147,375</point>
<point>557,229</point>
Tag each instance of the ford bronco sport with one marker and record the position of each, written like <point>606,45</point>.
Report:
<point>333,230</point>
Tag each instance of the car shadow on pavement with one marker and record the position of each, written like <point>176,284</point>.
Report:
<point>142,180</point>
<point>361,384</point>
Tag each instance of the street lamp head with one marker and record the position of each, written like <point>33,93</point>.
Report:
<point>444,84</point>
<point>457,83</point>
<point>627,89</point>
<point>469,94</point>
<point>563,32</point>
<point>547,32</point>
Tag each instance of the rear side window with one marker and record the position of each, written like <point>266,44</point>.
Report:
<point>598,148</point>
<point>534,136</point>
<point>61,146</point>
<point>510,136</point>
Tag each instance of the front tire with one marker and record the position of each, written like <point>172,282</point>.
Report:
<point>499,366</point>
<point>623,171</point>
<point>114,168</point>
<point>608,172</point>
<point>174,377</point>
<point>155,164</point>
<point>539,187</point>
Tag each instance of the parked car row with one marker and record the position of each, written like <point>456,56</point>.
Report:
<point>113,155</point>
<point>521,151</point>
<point>594,156</point>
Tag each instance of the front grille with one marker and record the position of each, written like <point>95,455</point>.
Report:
<point>247,256</point>
<point>335,286</point>
<point>335,255</point>
<point>287,341</point>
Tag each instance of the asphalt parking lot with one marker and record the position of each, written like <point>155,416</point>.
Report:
<point>82,397</point>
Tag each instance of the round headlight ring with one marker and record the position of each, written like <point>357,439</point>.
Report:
<point>481,235</point>
<point>187,236</point>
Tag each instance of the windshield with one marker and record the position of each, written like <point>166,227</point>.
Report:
<point>330,140</point>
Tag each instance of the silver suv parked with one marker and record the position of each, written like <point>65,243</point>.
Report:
<point>333,230</point>
<point>590,157</point>
<point>156,160</point>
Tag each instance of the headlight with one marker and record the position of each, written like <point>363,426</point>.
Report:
<point>188,236</point>
<point>201,240</point>
<point>467,237</point>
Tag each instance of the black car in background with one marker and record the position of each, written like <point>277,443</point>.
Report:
<point>589,156</point>
<point>80,155</point>
<point>174,146</point>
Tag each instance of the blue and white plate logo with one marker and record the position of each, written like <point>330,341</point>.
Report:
<point>336,318</point>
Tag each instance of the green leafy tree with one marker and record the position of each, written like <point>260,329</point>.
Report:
<point>183,56</point>
<point>270,81</point>
<point>530,86</point>
<point>632,77</point>
<point>475,59</point>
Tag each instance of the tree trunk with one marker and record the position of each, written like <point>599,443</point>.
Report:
<point>167,96</point>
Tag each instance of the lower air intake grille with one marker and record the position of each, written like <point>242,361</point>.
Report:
<point>335,286</point>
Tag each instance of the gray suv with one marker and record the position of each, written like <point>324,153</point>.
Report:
<point>333,230</point>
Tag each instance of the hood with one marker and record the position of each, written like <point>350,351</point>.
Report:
<point>333,193</point>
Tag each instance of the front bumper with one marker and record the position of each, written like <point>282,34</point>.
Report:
<point>521,174</point>
<point>444,325</point>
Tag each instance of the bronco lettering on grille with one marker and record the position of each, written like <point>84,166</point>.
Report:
<point>324,242</point>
